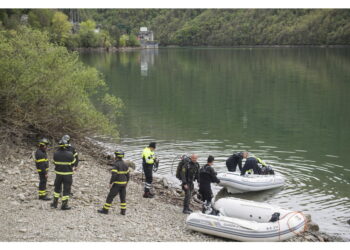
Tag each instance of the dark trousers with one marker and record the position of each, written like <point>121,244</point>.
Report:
<point>188,194</point>
<point>148,170</point>
<point>232,167</point>
<point>115,190</point>
<point>42,184</point>
<point>251,163</point>
<point>66,181</point>
<point>206,194</point>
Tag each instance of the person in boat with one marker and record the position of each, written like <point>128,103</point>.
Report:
<point>252,165</point>
<point>236,159</point>
<point>207,175</point>
<point>189,173</point>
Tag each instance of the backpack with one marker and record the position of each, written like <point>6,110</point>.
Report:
<point>229,161</point>
<point>184,160</point>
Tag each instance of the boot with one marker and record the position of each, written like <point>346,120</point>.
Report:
<point>103,211</point>
<point>44,198</point>
<point>189,209</point>
<point>122,211</point>
<point>147,195</point>
<point>54,203</point>
<point>186,211</point>
<point>65,205</point>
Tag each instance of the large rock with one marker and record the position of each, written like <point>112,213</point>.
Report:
<point>130,164</point>
<point>21,197</point>
<point>165,183</point>
<point>307,217</point>
<point>311,226</point>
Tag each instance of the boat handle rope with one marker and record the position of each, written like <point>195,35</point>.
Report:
<point>295,212</point>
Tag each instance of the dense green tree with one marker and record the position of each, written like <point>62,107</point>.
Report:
<point>40,18</point>
<point>45,88</point>
<point>60,28</point>
<point>87,34</point>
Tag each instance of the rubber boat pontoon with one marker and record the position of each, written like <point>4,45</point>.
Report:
<point>235,183</point>
<point>244,220</point>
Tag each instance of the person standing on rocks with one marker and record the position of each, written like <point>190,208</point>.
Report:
<point>148,160</point>
<point>189,173</point>
<point>119,180</point>
<point>207,175</point>
<point>42,166</point>
<point>64,163</point>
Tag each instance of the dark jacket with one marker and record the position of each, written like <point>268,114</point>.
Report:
<point>252,163</point>
<point>64,161</point>
<point>189,172</point>
<point>41,161</point>
<point>75,154</point>
<point>233,161</point>
<point>207,175</point>
<point>120,173</point>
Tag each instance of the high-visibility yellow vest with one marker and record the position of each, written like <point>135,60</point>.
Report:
<point>260,161</point>
<point>148,155</point>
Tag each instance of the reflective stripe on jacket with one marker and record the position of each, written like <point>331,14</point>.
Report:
<point>41,161</point>
<point>120,173</point>
<point>64,162</point>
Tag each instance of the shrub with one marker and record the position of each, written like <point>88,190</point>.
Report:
<point>46,88</point>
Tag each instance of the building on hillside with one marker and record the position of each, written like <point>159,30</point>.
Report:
<point>146,38</point>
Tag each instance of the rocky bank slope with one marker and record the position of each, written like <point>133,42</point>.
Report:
<point>25,218</point>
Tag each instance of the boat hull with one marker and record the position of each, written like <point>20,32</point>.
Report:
<point>235,183</point>
<point>235,222</point>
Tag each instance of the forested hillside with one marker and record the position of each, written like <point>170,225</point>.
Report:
<point>188,27</point>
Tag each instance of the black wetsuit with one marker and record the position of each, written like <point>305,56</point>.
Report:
<point>233,161</point>
<point>207,175</point>
<point>189,173</point>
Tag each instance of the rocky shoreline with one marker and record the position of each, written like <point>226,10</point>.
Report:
<point>25,218</point>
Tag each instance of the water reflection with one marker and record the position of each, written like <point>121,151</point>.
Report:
<point>147,60</point>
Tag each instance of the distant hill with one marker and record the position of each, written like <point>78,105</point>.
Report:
<point>211,27</point>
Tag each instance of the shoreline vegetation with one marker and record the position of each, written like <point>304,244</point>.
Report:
<point>116,49</point>
<point>46,90</point>
<point>162,217</point>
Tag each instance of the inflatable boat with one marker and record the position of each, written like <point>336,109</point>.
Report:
<point>244,220</point>
<point>235,183</point>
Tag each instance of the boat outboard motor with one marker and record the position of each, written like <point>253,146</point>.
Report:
<point>275,217</point>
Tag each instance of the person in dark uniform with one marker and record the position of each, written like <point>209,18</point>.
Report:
<point>118,183</point>
<point>234,160</point>
<point>189,173</point>
<point>148,161</point>
<point>251,165</point>
<point>42,167</point>
<point>64,167</point>
<point>207,175</point>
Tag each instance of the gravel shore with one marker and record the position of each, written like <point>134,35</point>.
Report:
<point>25,218</point>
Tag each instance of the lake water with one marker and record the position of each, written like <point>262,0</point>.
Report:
<point>289,106</point>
